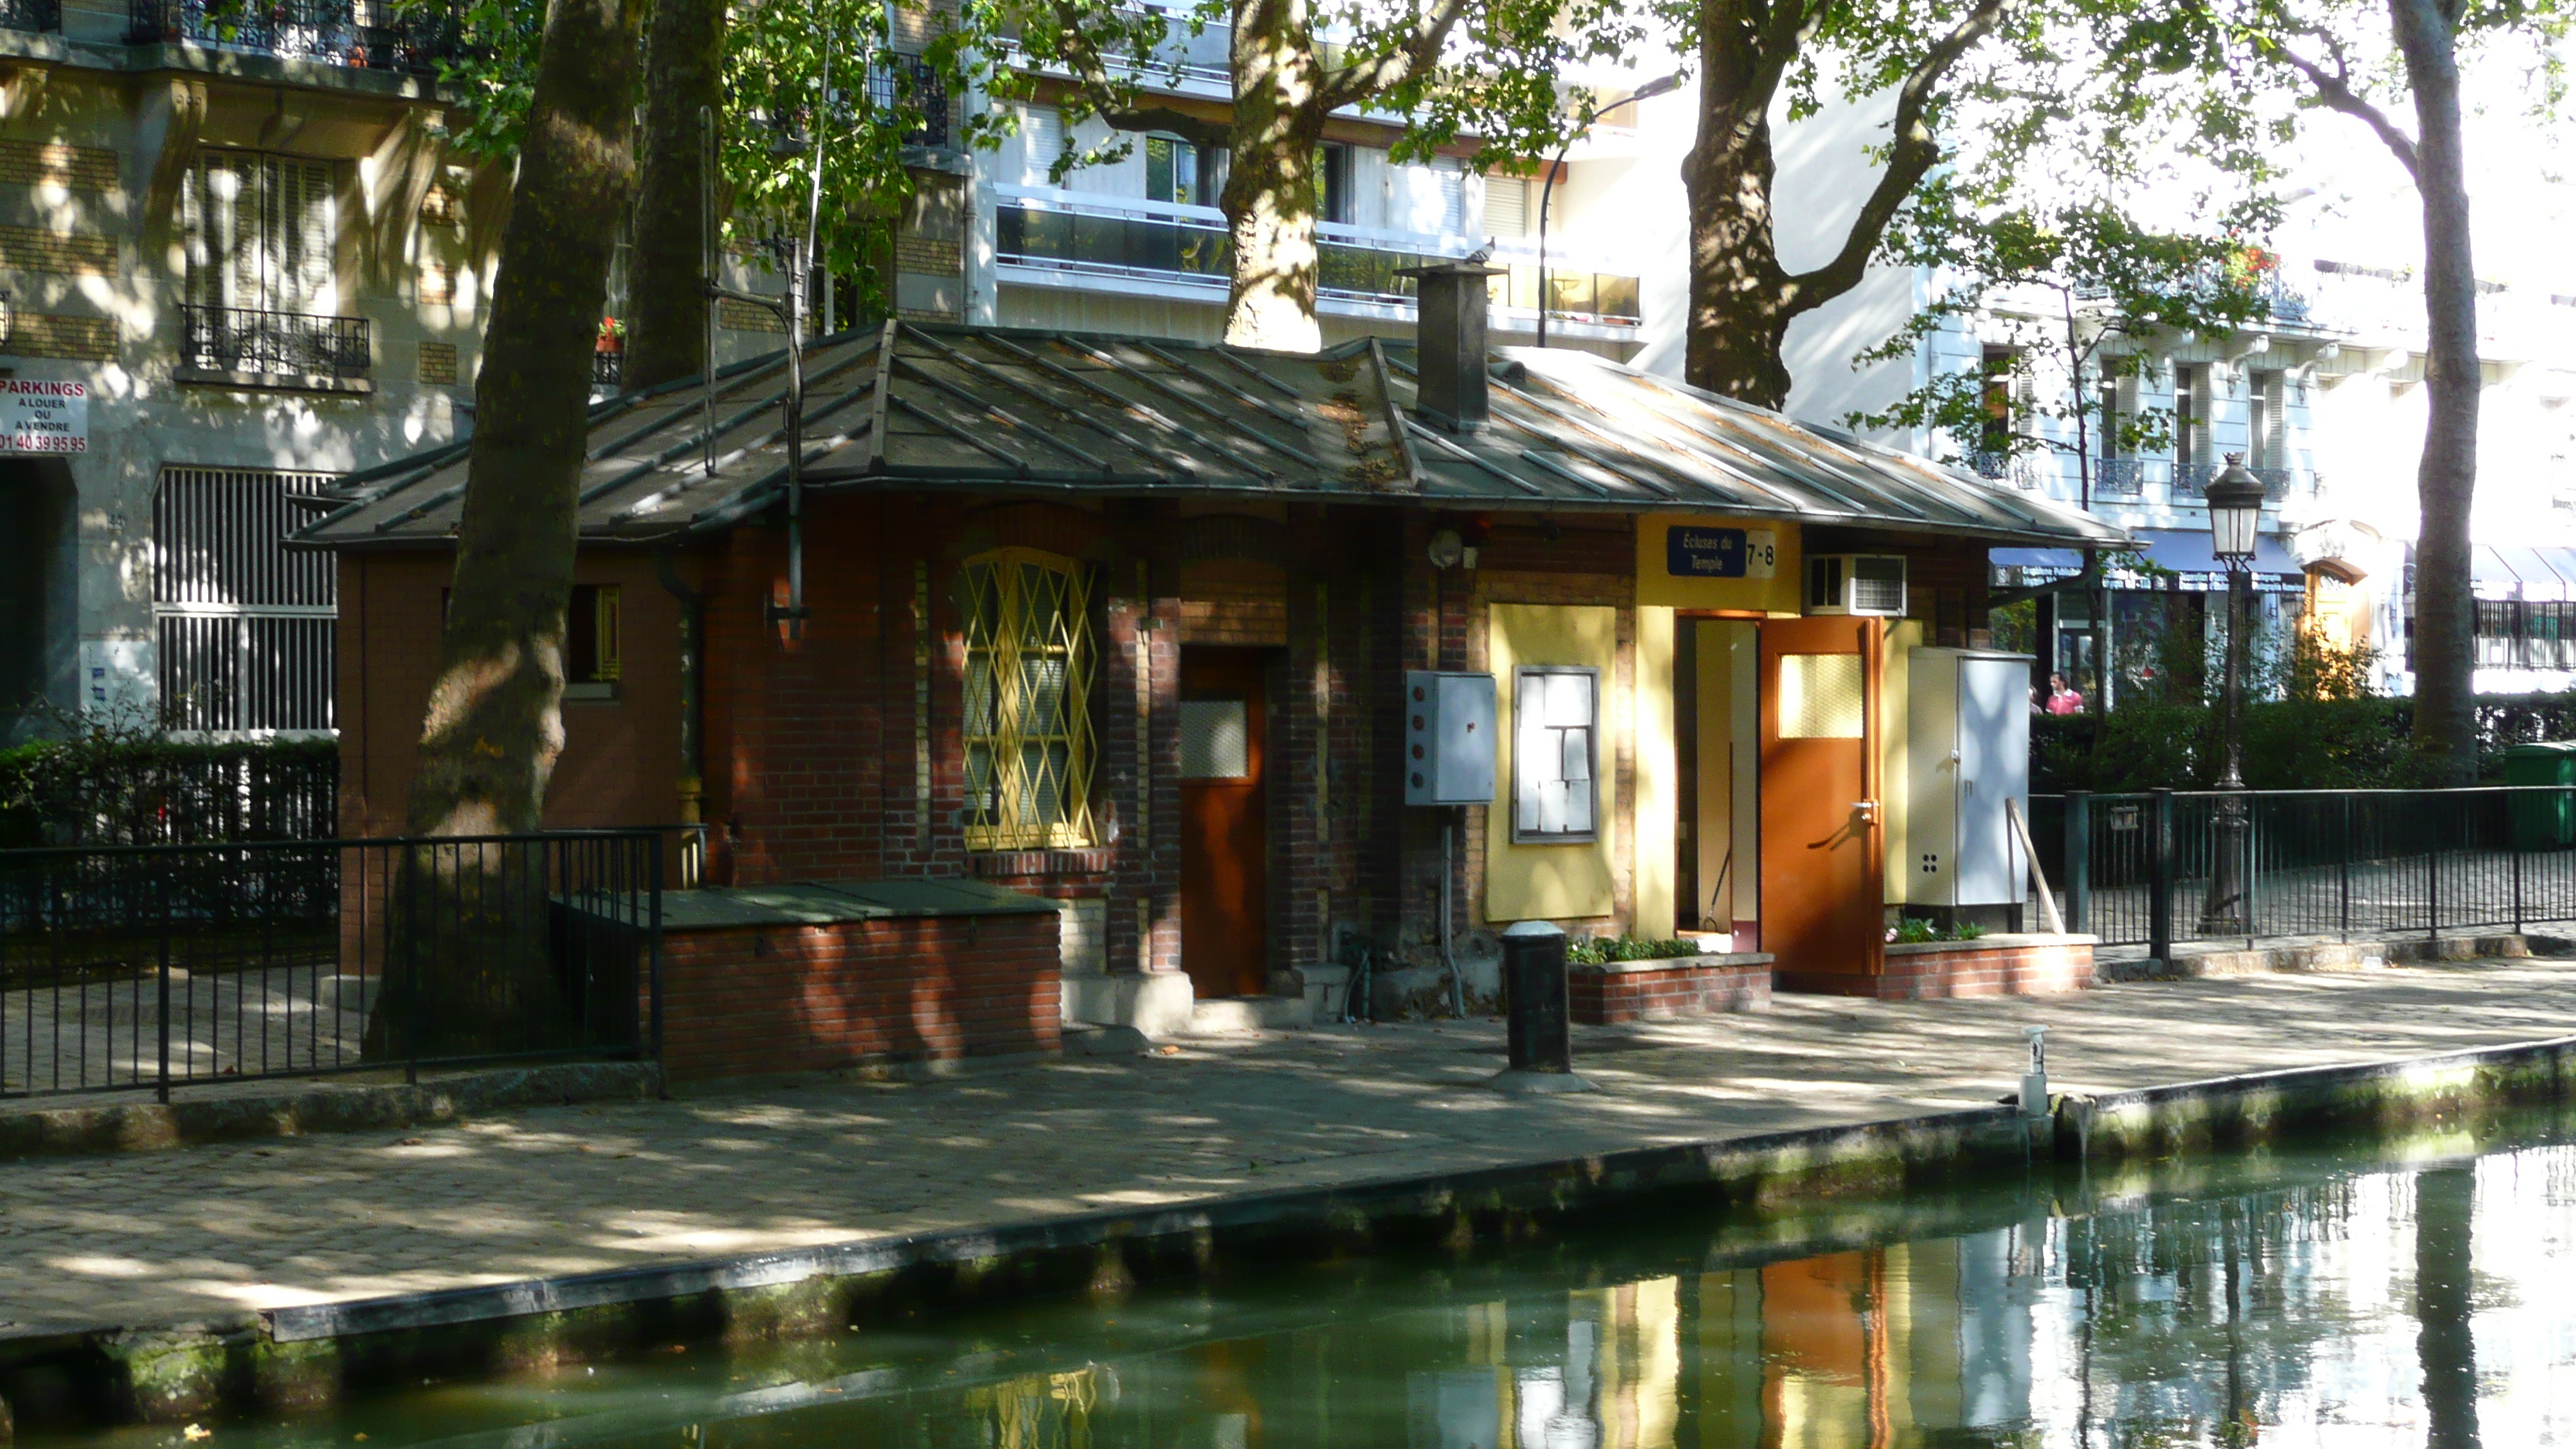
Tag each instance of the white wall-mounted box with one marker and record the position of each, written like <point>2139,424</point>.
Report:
<point>1448,738</point>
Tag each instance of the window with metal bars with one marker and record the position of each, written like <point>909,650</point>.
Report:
<point>1030,660</point>
<point>243,625</point>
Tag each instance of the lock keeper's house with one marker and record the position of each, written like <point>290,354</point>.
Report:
<point>1099,709</point>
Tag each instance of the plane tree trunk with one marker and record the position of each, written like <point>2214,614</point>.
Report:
<point>666,325</point>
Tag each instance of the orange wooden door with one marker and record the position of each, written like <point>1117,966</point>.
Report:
<point>1225,837</point>
<point>1822,898</point>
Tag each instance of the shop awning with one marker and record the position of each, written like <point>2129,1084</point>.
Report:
<point>2187,551</point>
<point>2519,571</point>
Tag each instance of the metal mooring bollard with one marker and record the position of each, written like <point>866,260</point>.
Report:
<point>2034,1073</point>
<point>1539,1024</point>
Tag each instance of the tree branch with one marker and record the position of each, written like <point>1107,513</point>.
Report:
<point>1362,79</point>
<point>1082,56</point>
<point>1909,160</point>
<point>2334,89</point>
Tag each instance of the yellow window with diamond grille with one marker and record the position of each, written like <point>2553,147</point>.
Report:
<point>1029,664</point>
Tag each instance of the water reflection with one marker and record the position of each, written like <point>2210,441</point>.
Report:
<point>2371,1307</point>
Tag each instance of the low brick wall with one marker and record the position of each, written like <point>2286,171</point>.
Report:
<point>768,996</point>
<point>2023,965</point>
<point>1618,991</point>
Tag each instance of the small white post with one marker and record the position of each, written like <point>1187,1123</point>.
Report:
<point>2034,1073</point>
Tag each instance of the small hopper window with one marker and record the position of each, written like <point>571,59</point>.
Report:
<point>1820,697</point>
<point>1555,792</point>
<point>590,643</point>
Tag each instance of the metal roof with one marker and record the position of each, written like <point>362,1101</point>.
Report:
<point>916,407</point>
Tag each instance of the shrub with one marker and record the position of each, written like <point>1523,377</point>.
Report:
<point>111,786</point>
<point>1601,950</point>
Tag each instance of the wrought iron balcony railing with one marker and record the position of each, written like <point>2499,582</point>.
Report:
<point>289,344</point>
<point>909,77</point>
<point>2191,482</point>
<point>2119,477</point>
<point>607,369</point>
<point>365,34</point>
<point>2021,470</point>
<point>35,15</point>
<point>1152,246</point>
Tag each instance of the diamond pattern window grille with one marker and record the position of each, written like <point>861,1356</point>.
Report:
<point>1029,666</point>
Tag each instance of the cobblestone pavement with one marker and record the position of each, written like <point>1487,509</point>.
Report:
<point>166,1237</point>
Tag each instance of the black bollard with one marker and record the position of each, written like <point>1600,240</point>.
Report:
<point>1539,1025</point>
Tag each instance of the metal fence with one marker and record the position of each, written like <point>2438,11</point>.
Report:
<point>368,34</point>
<point>154,967</point>
<point>241,339</point>
<point>2152,869</point>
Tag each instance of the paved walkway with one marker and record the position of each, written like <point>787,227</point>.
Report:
<point>183,1236</point>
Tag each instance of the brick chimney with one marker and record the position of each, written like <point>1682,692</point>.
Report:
<point>1450,342</point>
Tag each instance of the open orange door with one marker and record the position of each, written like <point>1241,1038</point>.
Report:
<point>1822,851</point>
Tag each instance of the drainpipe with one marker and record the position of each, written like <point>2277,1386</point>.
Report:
<point>693,661</point>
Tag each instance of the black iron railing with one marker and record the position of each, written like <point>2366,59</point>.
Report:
<point>1146,245</point>
<point>607,369</point>
<point>36,15</point>
<point>909,78</point>
<point>367,34</point>
<point>2119,477</point>
<point>2021,470</point>
<point>154,967</point>
<point>2191,481</point>
<point>236,339</point>
<point>2138,869</point>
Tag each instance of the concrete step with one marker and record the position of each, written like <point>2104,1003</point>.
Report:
<point>1235,1015</point>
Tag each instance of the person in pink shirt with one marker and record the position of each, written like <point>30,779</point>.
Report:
<point>2061,699</point>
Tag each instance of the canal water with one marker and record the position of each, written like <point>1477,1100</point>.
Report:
<point>2422,1294</point>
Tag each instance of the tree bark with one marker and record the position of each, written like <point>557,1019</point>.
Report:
<point>467,966</point>
<point>1271,189</point>
<point>666,325</point>
<point>2445,731</point>
<point>1742,299</point>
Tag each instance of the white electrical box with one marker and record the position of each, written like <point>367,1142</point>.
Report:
<point>1967,752</point>
<point>1448,738</point>
<point>1864,584</point>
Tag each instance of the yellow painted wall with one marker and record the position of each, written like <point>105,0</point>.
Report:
<point>1556,882</point>
<point>1895,755</point>
<point>1658,846</point>
<point>1778,594</point>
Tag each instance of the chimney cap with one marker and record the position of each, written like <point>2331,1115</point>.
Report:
<point>1452,267</point>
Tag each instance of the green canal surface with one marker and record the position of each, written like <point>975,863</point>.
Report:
<point>2414,1293</point>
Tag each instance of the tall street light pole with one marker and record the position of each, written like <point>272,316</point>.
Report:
<point>1660,85</point>
<point>2235,518</point>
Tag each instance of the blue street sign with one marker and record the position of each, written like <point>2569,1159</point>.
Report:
<point>1717,553</point>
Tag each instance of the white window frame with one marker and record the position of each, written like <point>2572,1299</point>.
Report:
<point>1526,780</point>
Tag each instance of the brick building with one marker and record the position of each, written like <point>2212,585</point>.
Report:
<point>1125,624</point>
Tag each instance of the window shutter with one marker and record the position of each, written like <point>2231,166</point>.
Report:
<point>310,282</point>
<point>1042,134</point>
<point>1506,206</point>
<point>2276,422</point>
<point>1452,180</point>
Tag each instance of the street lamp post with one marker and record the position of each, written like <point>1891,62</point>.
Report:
<point>1660,85</point>
<point>2235,499</point>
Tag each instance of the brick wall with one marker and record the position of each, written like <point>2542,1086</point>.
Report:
<point>1991,966</point>
<point>755,1002</point>
<point>621,758</point>
<point>1699,987</point>
<point>29,249</point>
<point>78,168</point>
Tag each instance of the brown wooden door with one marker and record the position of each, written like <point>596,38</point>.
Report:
<point>1822,899</point>
<point>1225,837</point>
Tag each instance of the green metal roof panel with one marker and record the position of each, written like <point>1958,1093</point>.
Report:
<point>821,903</point>
<point>996,410</point>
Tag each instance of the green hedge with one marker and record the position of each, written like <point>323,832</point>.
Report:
<point>2290,744</point>
<point>112,789</point>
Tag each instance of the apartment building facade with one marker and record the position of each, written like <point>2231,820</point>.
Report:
<point>2324,399</point>
<point>239,258</point>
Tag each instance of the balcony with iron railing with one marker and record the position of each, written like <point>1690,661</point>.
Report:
<point>360,34</point>
<point>287,345</point>
<point>38,16</point>
<point>1047,230</point>
<point>909,77</point>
